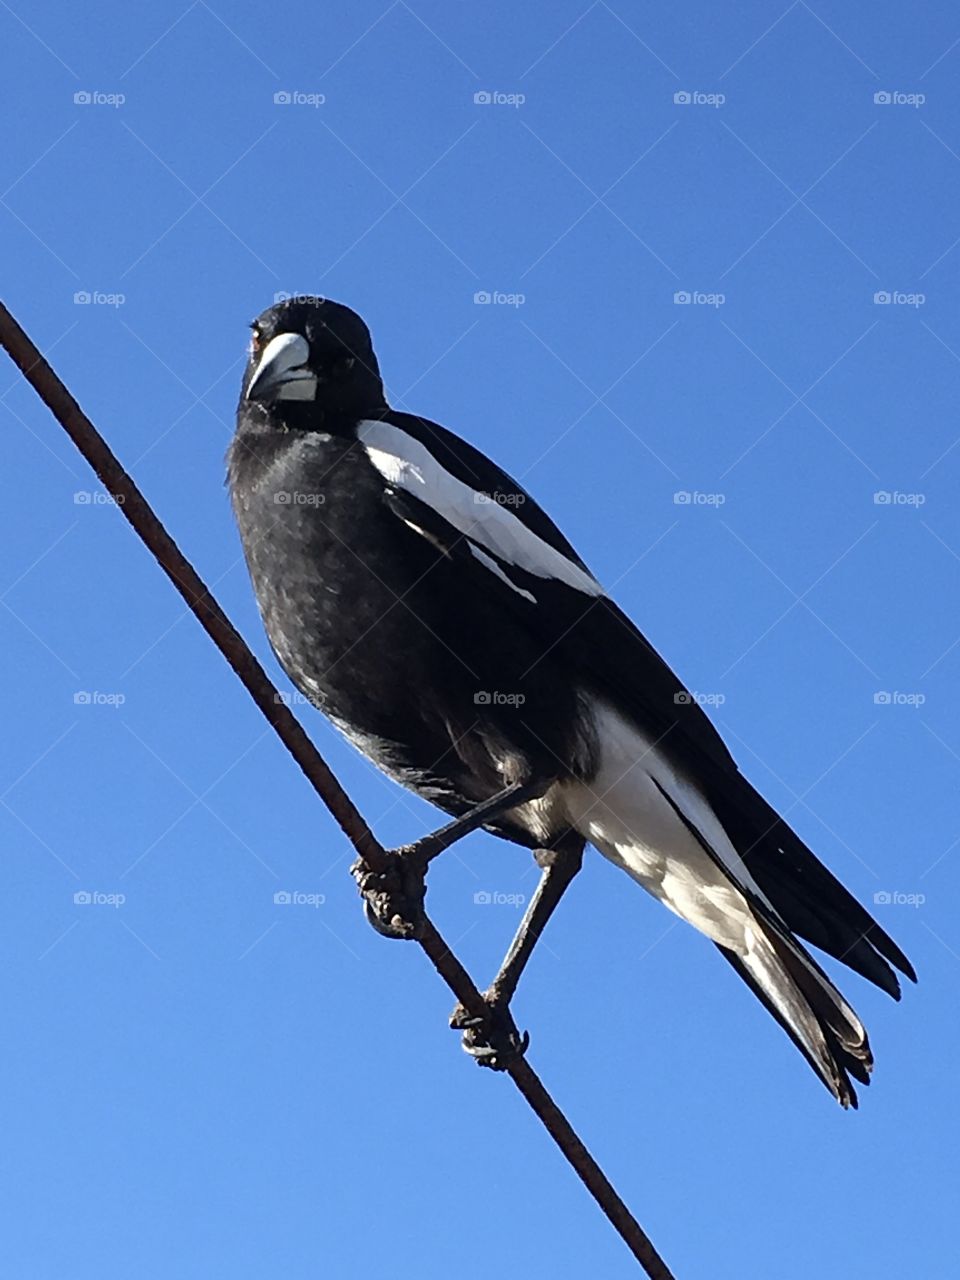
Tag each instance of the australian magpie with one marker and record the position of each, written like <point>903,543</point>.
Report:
<point>421,599</point>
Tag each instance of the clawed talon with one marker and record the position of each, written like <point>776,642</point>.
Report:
<point>393,899</point>
<point>493,1039</point>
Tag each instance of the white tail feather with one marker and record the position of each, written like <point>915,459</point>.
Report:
<point>656,825</point>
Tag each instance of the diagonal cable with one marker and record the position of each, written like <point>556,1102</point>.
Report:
<point>228,640</point>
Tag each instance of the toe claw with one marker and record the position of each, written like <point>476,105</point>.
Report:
<point>392,927</point>
<point>492,1041</point>
<point>461,1020</point>
<point>392,899</point>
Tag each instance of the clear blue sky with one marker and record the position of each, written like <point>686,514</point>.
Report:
<point>199,1082</point>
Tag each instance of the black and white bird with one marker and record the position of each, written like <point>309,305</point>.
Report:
<point>421,599</point>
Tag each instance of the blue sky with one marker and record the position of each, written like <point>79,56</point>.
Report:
<point>199,1081</point>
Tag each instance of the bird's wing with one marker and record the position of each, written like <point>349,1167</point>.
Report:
<point>448,491</point>
<point>444,486</point>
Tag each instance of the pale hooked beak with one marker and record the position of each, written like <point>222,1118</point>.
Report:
<point>281,373</point>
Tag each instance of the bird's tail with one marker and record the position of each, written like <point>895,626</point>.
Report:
<point>647,818</point>
<point>808,1006</point>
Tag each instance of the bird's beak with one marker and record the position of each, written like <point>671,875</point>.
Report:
<point>281,373</point>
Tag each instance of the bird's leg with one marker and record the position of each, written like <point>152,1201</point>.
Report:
<point>494,1040</point>
<point>393,899</point>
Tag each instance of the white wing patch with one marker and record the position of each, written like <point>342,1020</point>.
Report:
<point>495,568</point>
<point>408,465</point>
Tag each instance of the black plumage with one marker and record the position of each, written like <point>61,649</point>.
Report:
<point>421,599</point>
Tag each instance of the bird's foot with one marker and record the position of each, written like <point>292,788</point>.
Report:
<point>393,898</point>
<point>492,1039</point>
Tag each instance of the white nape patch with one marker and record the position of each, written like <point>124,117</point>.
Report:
<point>624,814</point>
<point>495,568</point>
<point>406,463</point>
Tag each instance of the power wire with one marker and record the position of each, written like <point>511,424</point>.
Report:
<point>228,640</point>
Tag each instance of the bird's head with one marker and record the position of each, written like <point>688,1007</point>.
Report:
<point>311,349</point>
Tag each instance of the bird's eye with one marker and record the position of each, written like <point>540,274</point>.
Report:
<point>255,342</point>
